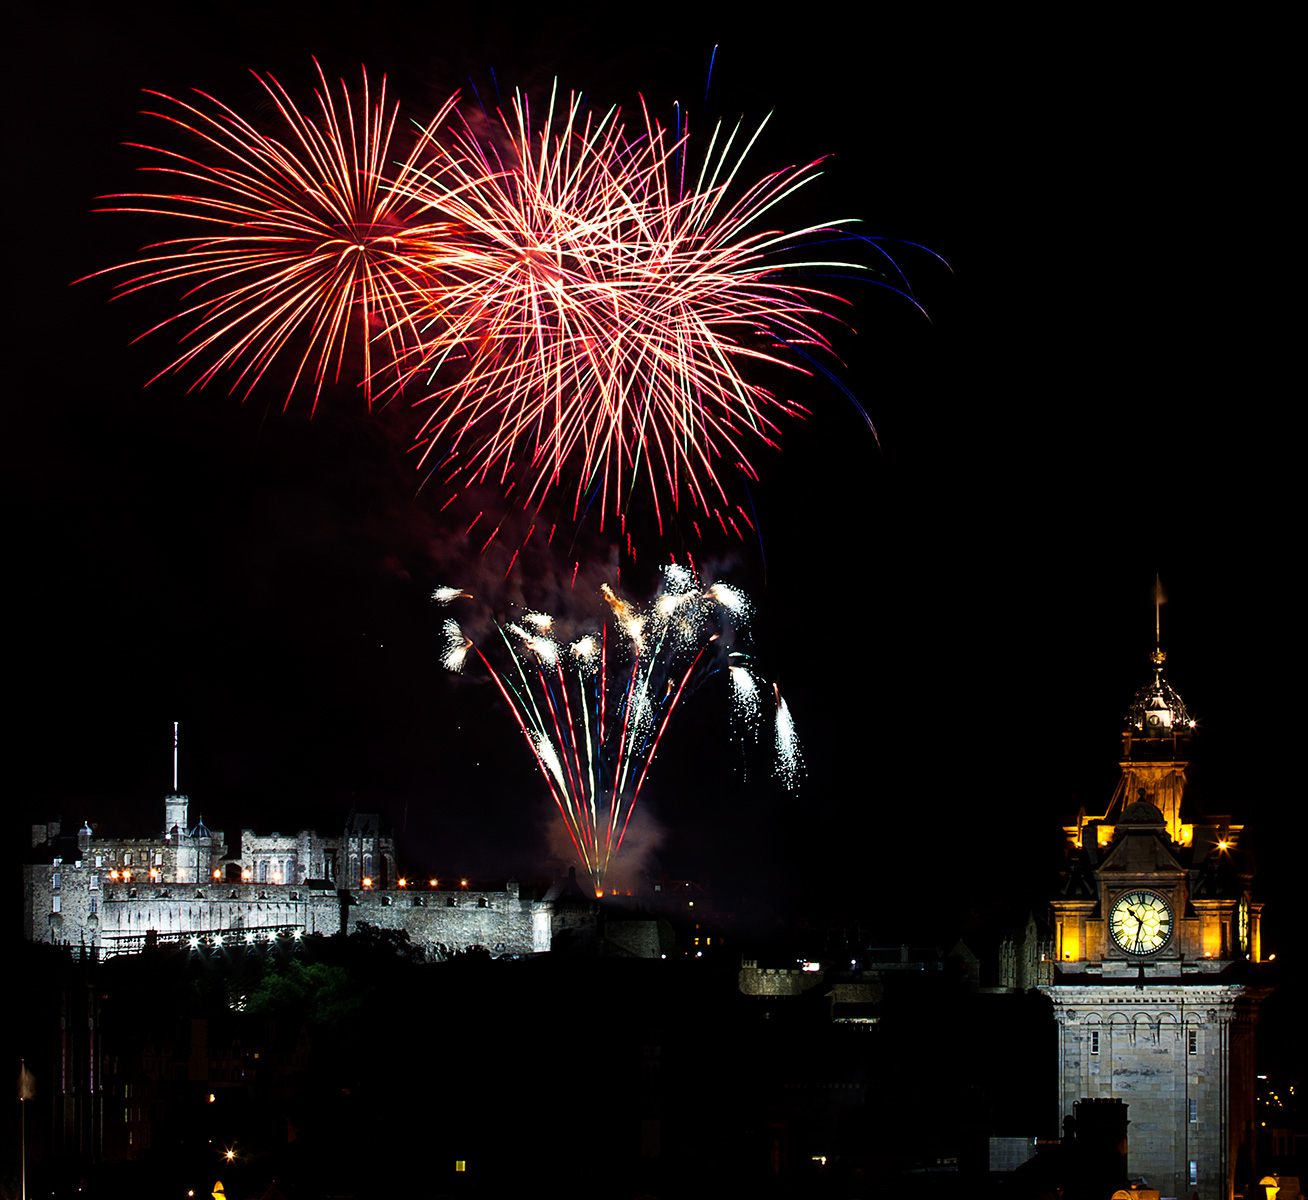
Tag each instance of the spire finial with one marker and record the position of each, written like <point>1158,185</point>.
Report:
<point>1159,656</point>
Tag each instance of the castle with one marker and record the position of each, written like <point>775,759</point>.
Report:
<point>118,895</point>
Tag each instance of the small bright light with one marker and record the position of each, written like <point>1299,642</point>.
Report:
<point>217,874</point>
<point>404,883</point>
<point>212,1098</point>
<point>432,882</point>
<point>367,881</point>
<point>218,941</point>
<point>249,938</point>
<point>245,875</point>
<point>297,934</point>
<point>195,943</point>
<point>463,883</point>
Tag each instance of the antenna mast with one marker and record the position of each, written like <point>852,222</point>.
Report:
<point>174,758</point>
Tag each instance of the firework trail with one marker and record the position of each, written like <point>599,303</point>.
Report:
<point>790,762</point>
<point>594,709</point>
<point>293,239</point>
<point>609,311</point>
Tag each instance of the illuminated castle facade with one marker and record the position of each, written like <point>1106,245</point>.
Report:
<point>118,895</point>
<point>1154,975</point>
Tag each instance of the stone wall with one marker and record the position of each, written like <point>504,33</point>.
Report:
<point>1167,1052</point>
<point>501,922</point>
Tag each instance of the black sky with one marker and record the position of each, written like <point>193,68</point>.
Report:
<point>958,613</point>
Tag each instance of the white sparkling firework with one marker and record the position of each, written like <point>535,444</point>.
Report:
<point>790,763</point>
<point>549,756</point>
<point>586,653</point>
<point>730,598</point>
<point>744,697</point>
<point>443,595</point>
<point>456,646</point>
<point>546,649</point>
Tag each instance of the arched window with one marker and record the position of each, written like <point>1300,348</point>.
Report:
<point>263,872</point>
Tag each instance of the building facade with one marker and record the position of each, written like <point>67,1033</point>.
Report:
<point>119,895</point>
<point>1155,949</point>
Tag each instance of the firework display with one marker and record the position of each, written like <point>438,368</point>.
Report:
<point>577,302</point>
<point>609,311</point>
<point>593,704</point>
<point>294,238</point>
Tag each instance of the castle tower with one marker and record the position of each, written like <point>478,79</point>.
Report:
<point>1156,981</point>
<point>175,806</point>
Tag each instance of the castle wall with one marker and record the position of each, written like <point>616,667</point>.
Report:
<point>500,922</point>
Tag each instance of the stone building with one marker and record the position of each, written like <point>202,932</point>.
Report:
<point>118,895</point>
<point>1155,951</point>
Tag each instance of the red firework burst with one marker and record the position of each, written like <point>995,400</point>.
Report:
<point>607,311</point>
<point>303,236</point>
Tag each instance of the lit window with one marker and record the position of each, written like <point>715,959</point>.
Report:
<point>1192,1041</point>
<point>55,903</point>
<point>1194,1111</point>
<point>54,880</point>
<point>1194,1172</point>
<point>460,1164</point>
<point>1094,1041</point>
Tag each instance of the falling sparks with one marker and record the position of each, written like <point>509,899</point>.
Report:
<point>456,646</point>
<point>790,763</point>
<point>744,695</point>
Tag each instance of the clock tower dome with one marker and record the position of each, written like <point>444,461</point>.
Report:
<point>1156,946</point>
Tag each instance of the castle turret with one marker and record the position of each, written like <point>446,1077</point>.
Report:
<point>175,824</point>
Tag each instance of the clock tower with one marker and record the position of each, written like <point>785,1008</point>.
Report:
<point>1156,946</point>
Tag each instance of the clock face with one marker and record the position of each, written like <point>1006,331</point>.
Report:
<point>1140,922</point>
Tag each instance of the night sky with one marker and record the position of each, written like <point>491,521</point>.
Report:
<point>958,611</point>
